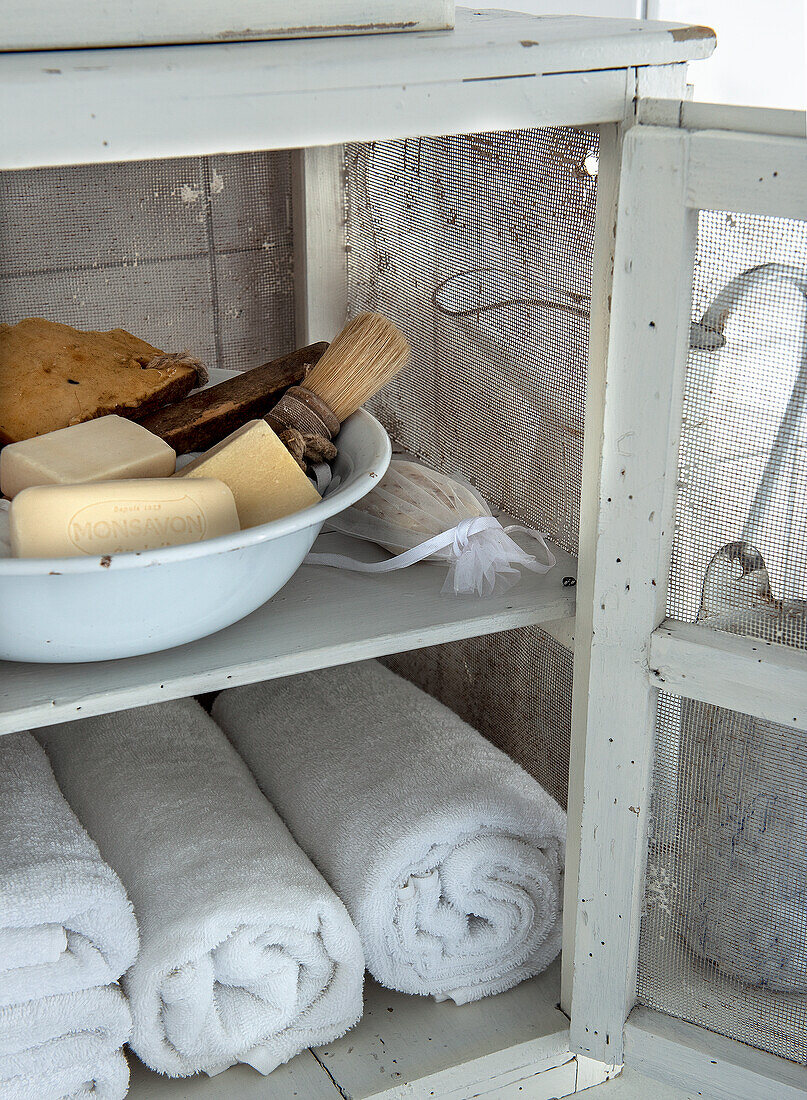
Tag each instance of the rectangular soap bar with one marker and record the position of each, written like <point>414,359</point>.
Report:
<point>116,517</point>
<point>104,449</point>
<point>266,481</point>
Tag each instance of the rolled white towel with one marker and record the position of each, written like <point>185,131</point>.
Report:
<point>65,1047</point>
<point>65,921</point>
<point>448,856</point>
<point>246,953</point>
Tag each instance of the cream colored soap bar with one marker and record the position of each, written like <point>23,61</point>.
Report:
<point>116,517</point>
<point>97,450</point>
<point>266,481</point>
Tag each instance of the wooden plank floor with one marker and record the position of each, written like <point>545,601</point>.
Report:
<point>631,1085</point>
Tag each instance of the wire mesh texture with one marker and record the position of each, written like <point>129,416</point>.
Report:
<point>724,929</point>
<point>743,454</point>
<point>189,253</point>
<point>479,247</point>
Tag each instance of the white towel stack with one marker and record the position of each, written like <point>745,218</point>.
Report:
<point>67,1046</point>
<point>246,953</point>
<point>448,856</point>
<point>67,932</point>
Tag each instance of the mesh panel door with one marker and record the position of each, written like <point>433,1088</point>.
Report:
<point>744,437</point>
<point>480,248</point>
<point>724,929</point>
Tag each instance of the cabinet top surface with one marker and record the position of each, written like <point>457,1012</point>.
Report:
<point>497,70</point>
<point>484,44</point>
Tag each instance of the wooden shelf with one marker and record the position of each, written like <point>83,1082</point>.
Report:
<point>415,1048</point>
<point>496,70</point>
<point>322,617</point>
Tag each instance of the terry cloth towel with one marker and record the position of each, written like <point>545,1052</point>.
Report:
<point>65,1047</point>
<point>246,953</point>
<point>448,856</point>
<point>65,921</point>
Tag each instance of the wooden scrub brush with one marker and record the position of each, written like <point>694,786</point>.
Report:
<point>366,354</point>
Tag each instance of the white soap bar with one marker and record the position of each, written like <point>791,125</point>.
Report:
<point>117,517</point>
<point>104,449</point>
<point>266,481</point>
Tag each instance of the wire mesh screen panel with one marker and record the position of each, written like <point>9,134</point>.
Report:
<point>743,457</point>
<point>480,247</point>
<point>192,253</point>
<point>724,928</point>
<point>529,718</point>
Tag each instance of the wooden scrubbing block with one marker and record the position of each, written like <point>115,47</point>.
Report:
<point>204,418</point>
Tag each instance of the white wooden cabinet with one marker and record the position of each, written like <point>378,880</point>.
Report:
<point>658,163</point>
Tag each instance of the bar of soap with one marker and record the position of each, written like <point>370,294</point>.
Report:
<point>5,530</point>
<point>117,517</point>
<point>266,481</point>
<point>108,448</point>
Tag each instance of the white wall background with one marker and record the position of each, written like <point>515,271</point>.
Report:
<point>761,55</point>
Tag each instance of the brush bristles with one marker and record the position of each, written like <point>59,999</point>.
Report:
<point>363,357</point>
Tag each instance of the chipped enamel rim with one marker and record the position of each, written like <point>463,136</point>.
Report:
<point>361,432</point>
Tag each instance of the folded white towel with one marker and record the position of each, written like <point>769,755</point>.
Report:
<point>65,1047</point>
<point>246,953</point>
<point>31,946</point>
<point>65,921</point>
<point>448,856</point>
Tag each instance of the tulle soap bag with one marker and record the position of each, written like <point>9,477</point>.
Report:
<point>417,513</point>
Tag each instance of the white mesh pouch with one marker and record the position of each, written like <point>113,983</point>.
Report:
<point>417,513</point>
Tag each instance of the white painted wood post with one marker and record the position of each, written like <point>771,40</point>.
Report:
<point>746,674</point>
<point>599,325</point>
<point>662,80</point>
<point>626,539</point>
<point>320,264</point>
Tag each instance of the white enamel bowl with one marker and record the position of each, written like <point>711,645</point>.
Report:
<point>93,609</point>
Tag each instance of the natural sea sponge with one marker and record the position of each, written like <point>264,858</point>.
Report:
<point>52,376</point>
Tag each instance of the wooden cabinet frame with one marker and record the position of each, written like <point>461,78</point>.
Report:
<point>680,159</point>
